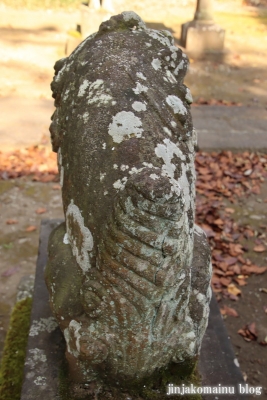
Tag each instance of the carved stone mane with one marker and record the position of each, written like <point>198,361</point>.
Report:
<point>128,273</point>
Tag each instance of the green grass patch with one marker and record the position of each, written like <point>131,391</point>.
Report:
<point>11,369</point>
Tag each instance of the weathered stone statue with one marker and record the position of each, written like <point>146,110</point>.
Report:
<point>128,272</point>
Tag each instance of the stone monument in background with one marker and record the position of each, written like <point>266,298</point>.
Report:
<point>128,271</point>
<point>202,35</point>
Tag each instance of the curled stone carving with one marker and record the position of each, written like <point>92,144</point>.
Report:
<point>128,272</point>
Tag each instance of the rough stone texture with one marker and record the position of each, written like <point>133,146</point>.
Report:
<point>128,273</point>
<point>217,361</point>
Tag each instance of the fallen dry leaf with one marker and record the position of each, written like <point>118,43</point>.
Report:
<point>252,269</point>
<point>229,210</point>
<point>11,221</point>
<point>36,161</point>
<point>252,329</point>
<point>264,290</point>
<point>225,281</point>
<point>30,228</point>
<point>41,210</point>
<point>232,289</point>
<point>240,281</point>
<point>259,249</point>
<point>249,332</point>
<point>236,269</point>
<point>215,279</point>
<point>228,311</point>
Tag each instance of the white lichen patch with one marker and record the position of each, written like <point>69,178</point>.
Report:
<point>44,324</point>
<point>102,176</point>
<point>154,176</point>
<point>98,94</point>
<point>66,239</point>
<point>174,124</point>
<point>83,88</point>
<point>40,381</point>
<point>35,356</point>
<point>140,75</point>
<point>74,328</point>
<point>170,77</point>
<point>156,63</point>
<point>159,36</point>
<point>192,347</point>
<point>179,66</point>
<point>148,44</point>
<point>176,104</point>
<point>60,167</point>
<point>149,165</point>
<point>191,335</point>
<point>66,95</point>
<point>199,231</point>
<point>201,298</point>
<point>167,130</point>
<point>86,116</point>
<point>188,96</point>
<point>140,88</point>
<point>125,125</point>
<point>138,106</point>
<point>135,170</point>
<point>120,183</point>
<point>166,152</point>
<point>124,167</point>
<point>128,15</point>
<point>115,166</point>
<point>104,145</point>
<point>76,231</point>
<point>67,337</point>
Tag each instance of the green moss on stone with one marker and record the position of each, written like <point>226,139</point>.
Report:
<point>155,386</point>
<point>150,388</point>
<point>11,370</point>
<point>64,387</point>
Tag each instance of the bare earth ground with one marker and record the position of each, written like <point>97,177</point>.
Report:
<point>30,43</point>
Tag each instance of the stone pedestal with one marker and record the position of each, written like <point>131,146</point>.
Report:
<point>202,35</point>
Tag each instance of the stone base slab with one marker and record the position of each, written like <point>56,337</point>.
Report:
<point>202,37</point>
<point>46,346</point>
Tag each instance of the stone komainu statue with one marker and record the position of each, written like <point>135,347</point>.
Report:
<point>128,272</point>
